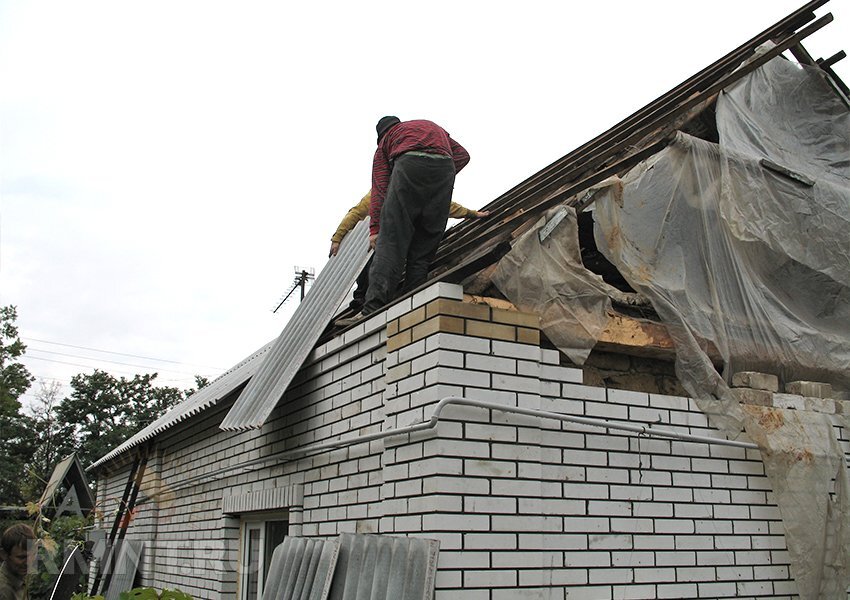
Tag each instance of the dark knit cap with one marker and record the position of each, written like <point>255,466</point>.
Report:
<point>385,124</point>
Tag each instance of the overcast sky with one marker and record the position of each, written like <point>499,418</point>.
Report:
<point>165,166</point>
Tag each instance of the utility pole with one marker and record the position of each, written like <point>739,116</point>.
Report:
<point>302,277</point>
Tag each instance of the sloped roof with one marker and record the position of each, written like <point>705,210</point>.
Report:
<point>69,472</point>
<point>199,401</point>
<point>468,248</point>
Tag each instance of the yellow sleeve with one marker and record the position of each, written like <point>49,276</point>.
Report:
<point>354,215</point>
<point>456,211</point>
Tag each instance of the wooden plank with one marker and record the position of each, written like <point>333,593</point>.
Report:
<point>586,161</point>
<point>622,334</point>
<point>541,181</point>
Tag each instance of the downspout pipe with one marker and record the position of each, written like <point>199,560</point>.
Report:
<point>641,430</point>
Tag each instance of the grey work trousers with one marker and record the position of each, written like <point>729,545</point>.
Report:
<point>413,220</point>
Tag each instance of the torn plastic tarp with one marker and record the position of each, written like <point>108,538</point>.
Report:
<point>744,243</point>
<point>543,274</point>
<point>801,451</point>
<point>739,254</point>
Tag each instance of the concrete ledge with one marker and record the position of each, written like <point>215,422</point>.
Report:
<point>756,380</point>
<point>810,389</point>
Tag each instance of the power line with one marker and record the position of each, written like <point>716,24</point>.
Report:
<point>160,377</point>
<point>62,362</point>
<point>114,362</point>
<point>40,378</point>
<point>302,277</point>
<point>119,353</point>
<point>67,382</point>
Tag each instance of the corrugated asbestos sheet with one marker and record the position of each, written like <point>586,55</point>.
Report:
<point>353,567</point>
<point>125,569</point>
<point>384,567</point>
<point>301,333</point>
<point>197,402</point>
<point>301,569</point>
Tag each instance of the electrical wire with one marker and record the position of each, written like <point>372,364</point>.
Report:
<point>114,362</point>
<point>63,362</point>
<point>118,353</point>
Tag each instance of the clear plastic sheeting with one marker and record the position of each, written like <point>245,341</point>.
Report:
<point>789,113</point>
<point>543,274</point>
<point>745,244</point>
<point>711,238</point>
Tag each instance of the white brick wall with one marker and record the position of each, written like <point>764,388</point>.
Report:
<point>524,507</point>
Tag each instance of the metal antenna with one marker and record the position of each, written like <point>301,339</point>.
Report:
<point>302,276</point>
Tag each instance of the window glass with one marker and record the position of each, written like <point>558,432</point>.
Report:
<point>275,532</point>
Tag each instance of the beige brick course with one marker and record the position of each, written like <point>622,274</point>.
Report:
<point>392,328</point>
<point>440,323</point>
<point>494,331</point>
<point>463,318</point>
<point>528,336</point>
<point>403,338</point>
<point>512,317</point>
<point>411,319</point>
<point>454,308</point>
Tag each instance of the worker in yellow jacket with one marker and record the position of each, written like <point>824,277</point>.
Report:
<point>359,212</point>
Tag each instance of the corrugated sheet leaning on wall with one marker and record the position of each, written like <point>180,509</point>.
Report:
<point>353,567</point>
<point>301,333</point>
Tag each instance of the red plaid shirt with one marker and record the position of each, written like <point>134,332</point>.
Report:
<point>406,136</point>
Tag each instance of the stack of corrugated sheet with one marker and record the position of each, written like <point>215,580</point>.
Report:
<point>353,567</point>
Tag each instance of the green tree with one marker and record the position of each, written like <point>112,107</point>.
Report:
<point>15,379</point>
<point>16,435</point>
<point>103,411</point>
<point>200,382</point>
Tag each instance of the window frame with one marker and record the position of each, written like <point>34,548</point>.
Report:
<point>255,522</point>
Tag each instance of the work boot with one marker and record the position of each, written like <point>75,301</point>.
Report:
<point>349,321</point>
